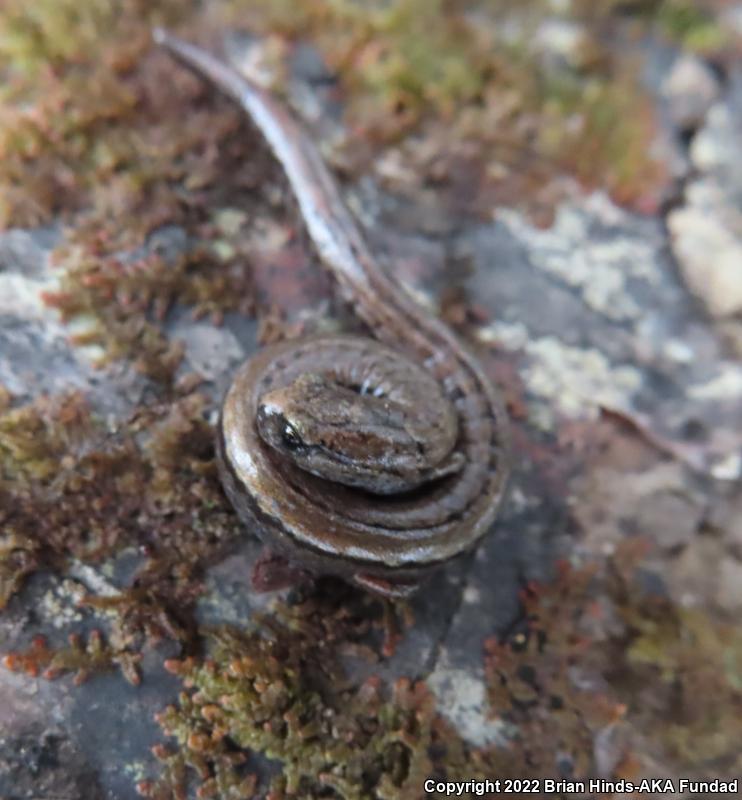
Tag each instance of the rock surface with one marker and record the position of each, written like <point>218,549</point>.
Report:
<point>706,230</point>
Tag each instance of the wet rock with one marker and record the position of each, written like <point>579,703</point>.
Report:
<point>708,572</point>
<point>731,19</point>
<point>725,519</point>
<point>27,252</point>
<point>209,351</point>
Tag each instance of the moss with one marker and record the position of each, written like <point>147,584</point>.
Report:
<point>58,34</point>
<point>531,680</point>
<point>280,688</point>
<point>93,129</point>
<point>36,441</point>
<point>85,659</point>
<point>672,674</point>
<point>281,691</point>
<point>128,301</point>
<point>612,126</point>
<point>691,25</point>
<point>72,490</point>
<point>36,438</point>
<point>695,668</point>
<point>67,94</point>
<point>444,73</point>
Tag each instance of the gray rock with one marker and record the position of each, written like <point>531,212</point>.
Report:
<point>595,310</point>
<point>706,232</point>
<point>690,89</point>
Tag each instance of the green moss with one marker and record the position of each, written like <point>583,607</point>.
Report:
<point>445,73</point>
<point>691,25</point>
<point>612,126</point>
<point>53,33</point>
<point>400,60</point>
<point>282,692</point>
<point>696,669</point>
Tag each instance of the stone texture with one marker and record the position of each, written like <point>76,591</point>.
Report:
<point>603,322</point>
<point>690,88</point>
<point>706,231</point>
<point>709,251</point>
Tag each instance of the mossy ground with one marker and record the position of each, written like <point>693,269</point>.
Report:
<point>103,133</point>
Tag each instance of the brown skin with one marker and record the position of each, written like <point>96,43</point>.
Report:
<point>358,438</point>
<point>352,458</point>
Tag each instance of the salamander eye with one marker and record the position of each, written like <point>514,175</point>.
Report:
<point>290,436</point>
